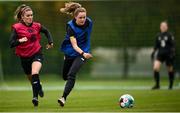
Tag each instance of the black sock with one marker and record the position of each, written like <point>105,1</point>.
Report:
<point>156,78</point>
<point>68,87</point>
<point>171,79</point>
<point>35,85</point>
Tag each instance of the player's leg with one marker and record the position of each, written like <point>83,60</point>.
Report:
<point>29,78</point>
<point>41,93</point>
<point>66,67</point>
<point>171,76</point>
<point>76,65</point>
<point>27,67</point>
<point>156,68</point>
<point>36,66</point>
<point>36,84</point>
<point>170,67</point>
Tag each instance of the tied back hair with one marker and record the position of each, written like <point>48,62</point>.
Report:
<point>20,11</point>
<point>72,8</point>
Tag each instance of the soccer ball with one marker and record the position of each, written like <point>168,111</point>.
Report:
<point>126,101</point>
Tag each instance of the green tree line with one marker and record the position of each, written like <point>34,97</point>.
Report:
<point>121,24</point>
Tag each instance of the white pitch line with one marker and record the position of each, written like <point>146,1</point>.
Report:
<point>53,88</point>
<point>91,112</point>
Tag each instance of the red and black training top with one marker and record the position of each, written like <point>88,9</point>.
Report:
<point>32,32</point>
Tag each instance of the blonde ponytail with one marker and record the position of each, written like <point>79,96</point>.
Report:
<point>72,8</point>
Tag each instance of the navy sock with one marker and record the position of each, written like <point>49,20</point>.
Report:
<point>156,78</point>
<point>35,85</point>
<point>171,79</point>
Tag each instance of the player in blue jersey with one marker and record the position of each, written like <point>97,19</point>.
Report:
<point>76,45</point>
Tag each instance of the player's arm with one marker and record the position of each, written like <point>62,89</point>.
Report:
<point>172,42</point>
<point>78,49</point>
<point>48,35</point>
<point>13,41</point>
<point>155,48</point>
<point>74,44</point>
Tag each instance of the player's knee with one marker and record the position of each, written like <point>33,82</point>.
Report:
<point>65,77</point>
<point>156,68</point>
<point>170,69</point>
<point>157,65</point>
<point>71,77</point>
<point>35,72</point>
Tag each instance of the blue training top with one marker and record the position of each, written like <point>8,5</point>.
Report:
<point>82,36</point>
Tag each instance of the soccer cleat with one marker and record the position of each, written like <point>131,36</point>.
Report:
<point>41,92</point>
<point>155,87</point>
<point>170,87</point>
<point>35,101</point>
<point>61,101</point>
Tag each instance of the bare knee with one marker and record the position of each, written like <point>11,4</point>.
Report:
<point>170,68</point>
<point>35,72</point>
<point>156,66</point>
<point>36,66</point>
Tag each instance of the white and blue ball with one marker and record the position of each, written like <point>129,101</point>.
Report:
<point>126,101</point>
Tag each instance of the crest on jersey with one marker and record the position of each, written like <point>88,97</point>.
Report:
<point>159,38</point>
<point>166,38</point>
<point>30,30</point>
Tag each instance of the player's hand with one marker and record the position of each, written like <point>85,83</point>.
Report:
<point>48,46</point>
<point>173,53</point>
<point>152,55</point>
<point>87,55</point>
<point>22,40</point>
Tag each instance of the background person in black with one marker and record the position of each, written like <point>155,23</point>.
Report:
<point>164,51</point>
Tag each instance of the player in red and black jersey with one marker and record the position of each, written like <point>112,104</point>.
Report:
<point>25,37</point>
<point>164,51</point>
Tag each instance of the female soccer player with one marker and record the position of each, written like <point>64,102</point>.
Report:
<point>76,46</point>
<point>25,37</point>
<point>164,51</point>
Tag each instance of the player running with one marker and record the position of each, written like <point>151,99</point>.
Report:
<point>25,37</point>
<point>164,51</point>
<point>76,46</point>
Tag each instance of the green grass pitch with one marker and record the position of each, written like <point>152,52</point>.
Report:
<point>91,96</point>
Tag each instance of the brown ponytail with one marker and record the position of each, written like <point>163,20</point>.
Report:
<point>72,8</point>
<point>20,11</point>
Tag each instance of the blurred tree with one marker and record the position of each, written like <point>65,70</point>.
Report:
<point>121,24</point>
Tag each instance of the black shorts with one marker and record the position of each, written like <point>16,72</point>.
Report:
<point>26,63</point>
<point>168,58</point>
